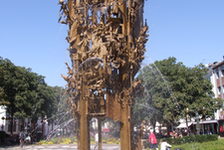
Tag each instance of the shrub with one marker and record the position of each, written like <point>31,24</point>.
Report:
<point>44,142</point>
<point>73,140</point>
<point>193,138</point>
<point>66,141</point>
<point>3,137</point>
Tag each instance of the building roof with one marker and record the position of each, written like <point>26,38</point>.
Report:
<point>217,64</point>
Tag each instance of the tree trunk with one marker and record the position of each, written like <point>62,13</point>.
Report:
<point>11,124</point>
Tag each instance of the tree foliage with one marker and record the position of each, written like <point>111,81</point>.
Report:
<point>172,90</point>
<point>25,93</point>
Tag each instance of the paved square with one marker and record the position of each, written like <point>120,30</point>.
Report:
<point>58,147</point>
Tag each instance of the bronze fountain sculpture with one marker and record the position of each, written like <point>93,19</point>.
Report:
<point>107,44</point>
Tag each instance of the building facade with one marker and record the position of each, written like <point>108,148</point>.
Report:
<point>42,127</point>
<point>2,118</point>
<point>216,75</point>
<point>217,78</point>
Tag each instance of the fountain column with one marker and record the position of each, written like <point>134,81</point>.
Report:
<point>84,122</point>
<point>99,134</point>
<point>125,131</point>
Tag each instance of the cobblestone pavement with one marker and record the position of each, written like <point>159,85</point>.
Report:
<point>58,147</point>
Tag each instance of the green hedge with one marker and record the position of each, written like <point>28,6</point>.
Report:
<point>3,137</point>
<point>193,138</point>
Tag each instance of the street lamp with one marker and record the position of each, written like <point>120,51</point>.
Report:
<point>187,111</point>
<point>197,125</point>
<point>3,123</point>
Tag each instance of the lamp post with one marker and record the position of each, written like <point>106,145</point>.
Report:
<point>187,111</point>
<point>3,123</point>
<point>197,125</point>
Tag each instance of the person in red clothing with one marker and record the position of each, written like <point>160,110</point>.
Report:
<point>153,140</point>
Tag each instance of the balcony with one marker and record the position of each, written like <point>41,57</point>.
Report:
<point>221,96</point>
<point>218,81</point>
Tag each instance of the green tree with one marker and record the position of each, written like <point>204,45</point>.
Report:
<point>8,86</point>
<point>173,91</point>
<point>25,93</point>
<point>59,105</point>
<point>199,93</point>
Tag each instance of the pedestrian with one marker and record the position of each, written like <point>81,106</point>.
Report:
<point>164,145</point>
<point>152,140</point>
<point>28,139</point>
<point>22,137</point>
<point>96,137</point>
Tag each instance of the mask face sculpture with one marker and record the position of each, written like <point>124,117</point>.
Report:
<point>107,43</point>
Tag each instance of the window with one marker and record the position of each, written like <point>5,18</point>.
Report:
<point>217,74</point>
<point>219,90</point>
<point>9,127</point>
<point>222,72</point>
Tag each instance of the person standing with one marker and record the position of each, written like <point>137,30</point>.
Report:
<point>22,137</point>
<point>96,137</point>
<point>152,140</point>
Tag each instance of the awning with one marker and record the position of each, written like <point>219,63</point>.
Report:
<point>183,125</point>
<point>207,122</point>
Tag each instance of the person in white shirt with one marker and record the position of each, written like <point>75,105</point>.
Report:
<point>96,137</point>
<point>164,145</point>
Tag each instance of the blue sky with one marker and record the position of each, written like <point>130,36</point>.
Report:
<point>190,30</point>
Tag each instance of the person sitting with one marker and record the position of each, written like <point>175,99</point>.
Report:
<point>164,145</point>
<point>28,139</point>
